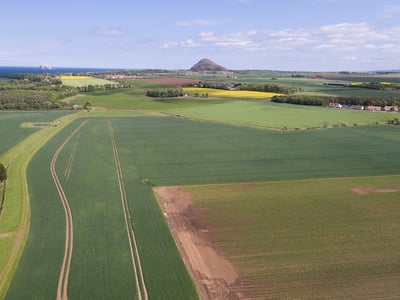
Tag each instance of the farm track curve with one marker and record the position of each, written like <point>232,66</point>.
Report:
<point>62,289</point>
<point>137,266</point>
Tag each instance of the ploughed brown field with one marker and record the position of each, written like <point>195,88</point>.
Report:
<point>171,81</point>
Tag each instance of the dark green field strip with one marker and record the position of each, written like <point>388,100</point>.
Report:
<point>165,274</point>
<point>10,131</point>
<point>175,151</point>
<point>130,228</point>
<point>101,267</point>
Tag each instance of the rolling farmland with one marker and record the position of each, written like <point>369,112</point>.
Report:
<point>223,110</point>
<point>98,231</point>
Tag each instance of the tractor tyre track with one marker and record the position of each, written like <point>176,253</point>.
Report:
<point>62,289</point>
<point>71,159</point>
<point>137,266</point>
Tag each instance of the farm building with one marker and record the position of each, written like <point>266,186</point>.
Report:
<point>337,83</point>
<point>374,108</point>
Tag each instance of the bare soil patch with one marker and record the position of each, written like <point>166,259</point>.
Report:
<point>171,81</point>
<point>7,234</point>
<point>214,275</point>
<point>373,190</point>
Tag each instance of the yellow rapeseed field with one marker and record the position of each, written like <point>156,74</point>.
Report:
<point>229,94</point>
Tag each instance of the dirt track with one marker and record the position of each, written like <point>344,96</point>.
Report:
<point>62,289</point>
<point>137,266</point>
<point>215,276</point>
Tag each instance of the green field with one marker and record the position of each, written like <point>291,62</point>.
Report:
<point>165,151</point>
<point>274,115</point>
<point>81,81</point>
<point>135,99</point>
<point>11,131</point>
<point>249,113</point>
<point>102,267</point>
<point>309,239</point>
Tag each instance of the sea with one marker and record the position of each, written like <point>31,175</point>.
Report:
<point>56,70</point>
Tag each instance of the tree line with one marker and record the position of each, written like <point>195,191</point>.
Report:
<point>270,88</point>
<point>165,93</point>
<point>257,87</point>
<point>377,86</point>
<point>325,100</point>
<point>3,173</point>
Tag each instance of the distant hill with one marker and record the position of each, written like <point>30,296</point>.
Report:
<point>206,65</point>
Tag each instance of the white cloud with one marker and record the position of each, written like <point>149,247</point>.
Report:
<point>290,38</point>
<point>349,38</point>
<point>189,43</point>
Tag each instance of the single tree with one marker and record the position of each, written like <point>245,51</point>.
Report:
<point>3,173</point>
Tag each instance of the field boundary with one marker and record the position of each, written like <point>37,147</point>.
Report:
<point>247,125</point>
<point>137,266</point>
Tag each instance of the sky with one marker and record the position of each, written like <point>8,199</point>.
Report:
<point>287,35</point>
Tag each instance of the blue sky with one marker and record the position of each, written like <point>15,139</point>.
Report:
<point>309,35</point>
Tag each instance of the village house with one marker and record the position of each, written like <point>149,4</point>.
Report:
<point>391,108</point>
<point>374,108</point>
<point>356,107</point>
<point>335,105</point>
